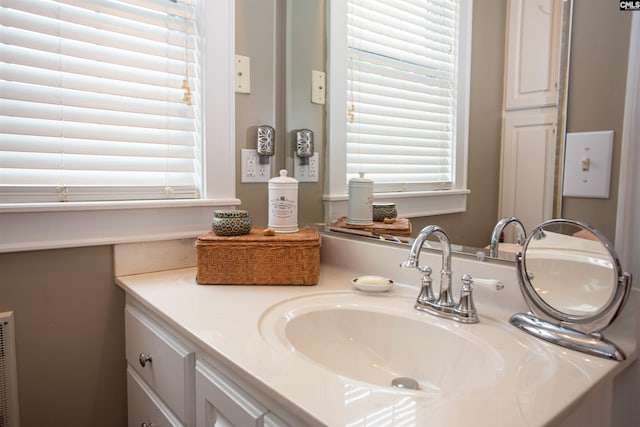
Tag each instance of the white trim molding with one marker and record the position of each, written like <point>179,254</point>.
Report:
<point>410,204</point>
<point>30,227</point>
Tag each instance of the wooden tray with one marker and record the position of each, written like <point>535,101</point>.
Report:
<point>402,227</point>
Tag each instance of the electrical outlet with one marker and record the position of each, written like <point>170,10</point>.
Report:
<point>252,170</point>
<point>308,172</point>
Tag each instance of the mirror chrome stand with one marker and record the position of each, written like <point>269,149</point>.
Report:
<point>594,344</point>
<point>560,323</point>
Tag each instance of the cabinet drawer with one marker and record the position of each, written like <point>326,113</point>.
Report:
<point>165,364</point>
<point>144,407</point>
<point>220,402</point>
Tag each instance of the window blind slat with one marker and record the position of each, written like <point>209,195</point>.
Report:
<point>45,144</point>
<point>399,142</point>
<point>88,33</point>
<point>403,126</point>
<point>158,12</point>
<point>400,87</point>
<point>88,51</point>
<point>369,63</point>
<point>27,126</point>
<point>371,107</point>
<point>87,162</point>
<point>384,30</point>
<point>409,154</point>
<point>26,178</point>
<point>28,193</point>
<point>93,19</point>
<point>93,116</point>
<point>374,127</point>
<point>419,13</point>
<point>39,76</point>
<point>419,89</point>
<point>397,97</point>
<point>173,115</point>
<point>25,57</point>
<point>390,50</point>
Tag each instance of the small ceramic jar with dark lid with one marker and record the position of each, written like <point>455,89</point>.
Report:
<point>231,222</point>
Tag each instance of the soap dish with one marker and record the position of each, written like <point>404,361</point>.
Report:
<point>372,283</point>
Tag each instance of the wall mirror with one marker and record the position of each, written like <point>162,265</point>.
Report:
<point>572,282</point>
<point>306,50</point>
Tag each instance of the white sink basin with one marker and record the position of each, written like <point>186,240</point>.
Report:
<point>377,338</point>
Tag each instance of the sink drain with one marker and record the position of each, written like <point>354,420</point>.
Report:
<point>405,382</point>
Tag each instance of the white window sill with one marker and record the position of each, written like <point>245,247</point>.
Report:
<point>36,226</point>
<point>409,204</point>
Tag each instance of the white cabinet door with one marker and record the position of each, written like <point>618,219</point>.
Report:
<point>221,403</point>
<point>528,165</point>
<point>533,53</point>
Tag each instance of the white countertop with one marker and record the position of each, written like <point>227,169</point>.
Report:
<point>534,387</point>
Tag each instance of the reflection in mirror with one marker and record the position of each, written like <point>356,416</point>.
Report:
<point>572,282</point>
<point>300,113</point>
<point>571,269</point>
<point>497,237</point>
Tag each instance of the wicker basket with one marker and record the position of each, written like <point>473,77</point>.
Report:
<point>256,259</point>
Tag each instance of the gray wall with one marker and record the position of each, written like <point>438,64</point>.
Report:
<point>69,327</point>
<point>305,53</point>
<point>260,36</point>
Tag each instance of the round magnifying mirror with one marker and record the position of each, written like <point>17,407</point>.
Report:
<point>571,279</point>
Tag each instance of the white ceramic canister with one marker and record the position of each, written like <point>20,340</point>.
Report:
<point>283,203</point>
<point>360,208</point>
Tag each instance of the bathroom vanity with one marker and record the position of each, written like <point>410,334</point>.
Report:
<point>327,354</point>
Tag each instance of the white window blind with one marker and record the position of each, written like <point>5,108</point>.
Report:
<point>99,100</point>
<point>401,92</point>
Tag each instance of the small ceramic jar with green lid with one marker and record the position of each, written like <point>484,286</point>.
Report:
<point>231,222</point>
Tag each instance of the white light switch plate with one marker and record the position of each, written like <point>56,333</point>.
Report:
<point>587,164</point>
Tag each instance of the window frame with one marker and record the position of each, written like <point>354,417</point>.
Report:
<point>410,203</point>
<point>36,226</point>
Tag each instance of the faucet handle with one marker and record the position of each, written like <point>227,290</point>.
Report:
<point>466,304</point>
<point>426,290</point>
<point>490,283</point>
<point>426,270</point>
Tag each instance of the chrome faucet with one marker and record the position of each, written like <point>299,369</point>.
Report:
<point>497,231</point>
<point>443,306</point>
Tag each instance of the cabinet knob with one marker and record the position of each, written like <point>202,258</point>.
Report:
<point>143,359</point>
<point>146,425</point>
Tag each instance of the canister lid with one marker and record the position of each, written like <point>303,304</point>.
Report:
<point>230,213</point>
<point>361,179</point>
<point>283,178</point>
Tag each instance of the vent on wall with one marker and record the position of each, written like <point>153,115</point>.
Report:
<point>8,373</point>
